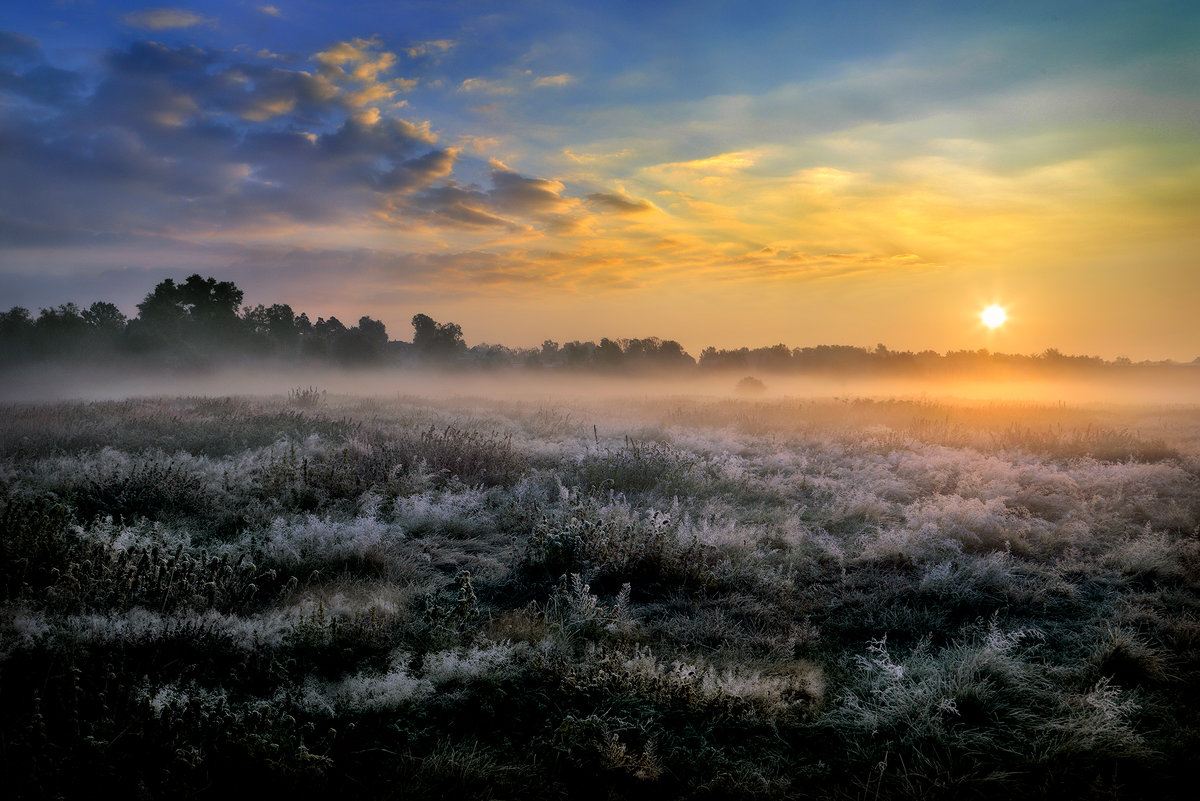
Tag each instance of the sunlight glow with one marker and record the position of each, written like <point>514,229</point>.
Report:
<point>993,316</point>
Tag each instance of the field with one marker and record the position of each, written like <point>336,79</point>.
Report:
<point>692,597</point>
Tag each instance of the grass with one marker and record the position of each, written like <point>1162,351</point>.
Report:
<point>760,599</point>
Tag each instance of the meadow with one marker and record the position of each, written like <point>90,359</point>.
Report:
<point>687,597</point>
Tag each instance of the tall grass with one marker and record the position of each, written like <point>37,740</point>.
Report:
<point>686,598</point>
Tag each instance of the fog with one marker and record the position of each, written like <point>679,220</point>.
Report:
<point>1137,386</point>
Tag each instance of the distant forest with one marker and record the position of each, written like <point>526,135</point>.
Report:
<point>201,323</point>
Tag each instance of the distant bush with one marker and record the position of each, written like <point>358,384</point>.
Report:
<point>750,386</point>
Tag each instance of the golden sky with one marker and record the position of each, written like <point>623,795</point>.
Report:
<point>708,172</point>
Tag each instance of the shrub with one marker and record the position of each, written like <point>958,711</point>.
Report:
<point>306,397</point>
<point>750,386</point>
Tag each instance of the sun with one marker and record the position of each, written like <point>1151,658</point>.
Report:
<point>993,316</point>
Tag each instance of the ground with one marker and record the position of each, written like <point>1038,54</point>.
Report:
<point>683,596</point>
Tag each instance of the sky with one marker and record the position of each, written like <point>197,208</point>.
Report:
<point>719,173</point>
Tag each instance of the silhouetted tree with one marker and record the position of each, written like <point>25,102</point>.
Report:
<point>363,344</point>
<point>711,358</point>
<point>672,354</point>
<point>493,356</point>
<point>329,329</point>
<point>436,341</point>
<point>274,325</point>
<point>16,322</point>
<point>653,353</point>
<point>209,301</point>
<point>16,334</point>
<point>61,330</point>
<point>105,319</point>
<point>578,354</point>
<point>318,342</point>
<point>608,354</point>
<point>64,331</point>
<point>548,354</point>
<point>198,312</point>
<point>162,306</point>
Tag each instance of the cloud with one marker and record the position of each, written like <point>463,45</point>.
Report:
<point>369,132</point>
<point>511,190</point>
<point>598,158</point>
<point>514,203</point>
<point>485,85</point>
<point>555,80</point>
<point>185,152</point>
<point>142,58</point>
<point>207,145</point>
<point>38,82</point>
<point>420,171</point>
<point>461,206</point>
<point>270,11</point>
<point>471,216</point>
<point>274,92</point>
<point>18,48</point>
<point>721,163</point>
<point>162,19</point>
<point>421,49</point>
<point>358,67</point>
<point>358,59</point>
<point>619,204</point>
<point>370,95</point>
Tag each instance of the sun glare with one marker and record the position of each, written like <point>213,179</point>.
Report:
<point>993,316</point>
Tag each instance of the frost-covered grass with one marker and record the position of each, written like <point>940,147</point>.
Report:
<point>682,597</point>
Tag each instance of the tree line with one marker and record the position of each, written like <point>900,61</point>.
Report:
<point>196,322</point>
<point>202,322</point>
<point>882,360</point>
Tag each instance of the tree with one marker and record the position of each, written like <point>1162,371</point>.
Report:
<point>549,352</point>
<point>15,322</point>
<point>198,300</point>
<point>578,354</point>
<point>608,354</point>
<point>276,324</point>
<point>373,333</point>
<point>16,334</point>
<point>363,344</point>
<point>61,330</point>
<point>492,356</point>
<point>320,337</point>
<point>208,301</point>
<point>161,308</point>
<point>436,341</point>
<point>105,318</point>
<point>198,311</point>
<point>672,354</point>
<point>106,327</point>
<point>329,329</point>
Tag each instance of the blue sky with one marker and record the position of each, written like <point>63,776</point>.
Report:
<point>720,173</point>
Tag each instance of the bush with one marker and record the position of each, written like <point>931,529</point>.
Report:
<point>750,386</point>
